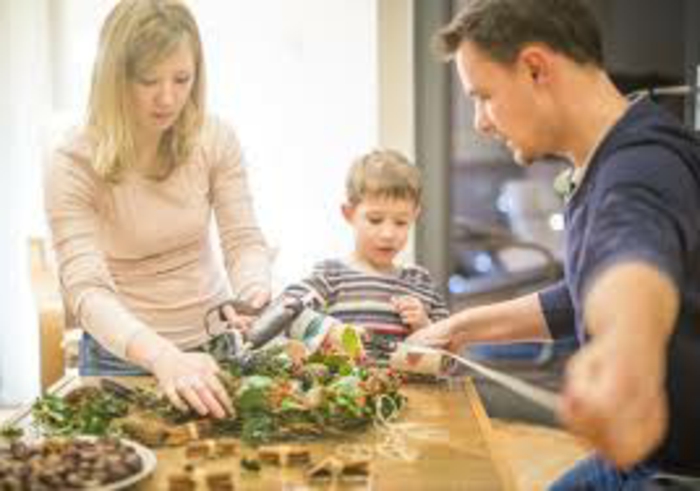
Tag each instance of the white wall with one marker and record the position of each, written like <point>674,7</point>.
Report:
<point>297,78</point>
<point>25,93</point>
<point>396,123</point>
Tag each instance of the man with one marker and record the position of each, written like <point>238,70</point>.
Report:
<point>534,69</point>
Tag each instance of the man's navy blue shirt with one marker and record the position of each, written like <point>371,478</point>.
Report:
<point>640,201</point>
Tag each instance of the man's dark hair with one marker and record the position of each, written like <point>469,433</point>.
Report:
<point>501,28</point>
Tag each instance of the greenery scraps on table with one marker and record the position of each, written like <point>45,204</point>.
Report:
<point>10,432</point>
<point>89,411</point>
<point>275,398</point>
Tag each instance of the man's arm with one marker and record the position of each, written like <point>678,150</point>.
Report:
<point>614,394</point>
<point>519,319</point>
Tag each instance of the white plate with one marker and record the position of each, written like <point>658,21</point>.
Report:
<point>148,465</point>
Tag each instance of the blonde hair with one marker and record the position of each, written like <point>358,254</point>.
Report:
<point>383,173</point>
<point>136,35</point>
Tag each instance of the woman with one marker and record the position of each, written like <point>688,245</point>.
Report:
<point>129,200</point>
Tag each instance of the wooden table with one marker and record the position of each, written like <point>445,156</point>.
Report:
<point>447,443</point>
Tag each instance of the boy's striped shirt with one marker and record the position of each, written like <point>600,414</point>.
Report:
<point>358,297</point>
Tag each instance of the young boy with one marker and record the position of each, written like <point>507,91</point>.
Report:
<point>368,289</point>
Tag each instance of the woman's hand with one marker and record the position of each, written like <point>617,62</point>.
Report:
<point>412,311</point>
<point>190,380</point>
<point>242,321</point>
<point>259,298</point>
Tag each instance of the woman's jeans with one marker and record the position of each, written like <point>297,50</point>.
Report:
<point>596,474</point>
<point>94,360</point>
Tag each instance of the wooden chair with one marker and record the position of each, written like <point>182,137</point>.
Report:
<point>52,314</point>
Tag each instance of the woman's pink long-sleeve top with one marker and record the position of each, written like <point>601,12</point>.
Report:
<point>139,255</point>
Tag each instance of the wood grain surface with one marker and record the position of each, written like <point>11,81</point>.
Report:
<point>443,440</point>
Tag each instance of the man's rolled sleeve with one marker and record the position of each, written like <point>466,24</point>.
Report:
<point>558,310</point>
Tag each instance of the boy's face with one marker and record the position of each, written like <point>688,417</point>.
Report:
<point>381,226</point>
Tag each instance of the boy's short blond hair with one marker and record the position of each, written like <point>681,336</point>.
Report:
<point>383,173</point>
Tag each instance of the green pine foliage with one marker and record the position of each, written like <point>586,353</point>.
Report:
<point>273,398</point>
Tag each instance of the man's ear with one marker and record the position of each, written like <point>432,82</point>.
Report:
<point>537,61</point>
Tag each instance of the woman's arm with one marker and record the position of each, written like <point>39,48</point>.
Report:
<point>72,194</point>
<point>246,254</point>
<point>72,200</point>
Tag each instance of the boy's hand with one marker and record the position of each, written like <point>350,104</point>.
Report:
<point>412,311</point>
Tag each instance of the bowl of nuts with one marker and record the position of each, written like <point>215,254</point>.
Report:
<point>105,464</point>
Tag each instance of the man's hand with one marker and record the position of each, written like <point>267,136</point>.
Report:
<point>614,397</point>
<point>438,335</point>
<point>190,380</point>
<point>615,394</point>
<point>412,311</point>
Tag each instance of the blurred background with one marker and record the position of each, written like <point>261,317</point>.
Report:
<point>309,85</point>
